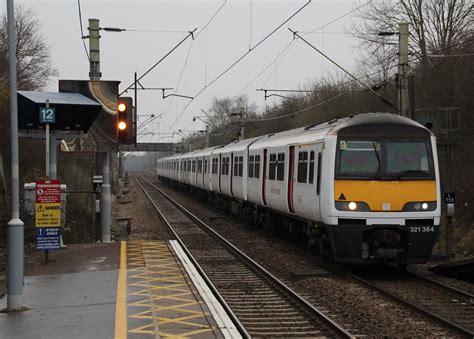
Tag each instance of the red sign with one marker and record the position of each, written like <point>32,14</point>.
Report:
<point>48,191</point>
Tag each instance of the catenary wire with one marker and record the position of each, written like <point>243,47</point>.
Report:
<point>237,61</point>
<point>82,30</point>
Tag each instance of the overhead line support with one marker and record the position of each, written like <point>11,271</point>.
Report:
<point>190,34</point>
<point>385,100</point>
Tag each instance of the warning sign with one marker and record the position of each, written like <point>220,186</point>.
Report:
<point>48,203</point>
<point>48,191</point>
<point>48,215</point>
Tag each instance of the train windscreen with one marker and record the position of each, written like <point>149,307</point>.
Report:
<point>384,158</point>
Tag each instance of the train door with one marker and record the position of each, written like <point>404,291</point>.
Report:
<point>264,176</point>
<point>231,179</point>
<point>219,170</point>
<point>305,193</point>
<point>291,179</point>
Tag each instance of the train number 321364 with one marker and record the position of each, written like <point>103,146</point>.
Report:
<point>423,229</point>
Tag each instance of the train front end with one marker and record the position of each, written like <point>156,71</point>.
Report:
<point>385,201</point>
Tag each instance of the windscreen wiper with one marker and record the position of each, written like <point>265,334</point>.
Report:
<point>378,157</point>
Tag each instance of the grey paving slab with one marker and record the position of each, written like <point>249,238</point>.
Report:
<point>77,305</point>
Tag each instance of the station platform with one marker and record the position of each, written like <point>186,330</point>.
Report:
<point>135,289</point>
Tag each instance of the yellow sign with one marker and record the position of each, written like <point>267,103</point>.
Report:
<point>48,215</point>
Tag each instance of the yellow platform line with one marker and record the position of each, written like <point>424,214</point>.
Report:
<point>121,305</point>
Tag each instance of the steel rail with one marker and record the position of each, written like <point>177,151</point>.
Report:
<point>240,327</point>
<point>443,285</point>
<point>329,322</point>
<point>416,307</point>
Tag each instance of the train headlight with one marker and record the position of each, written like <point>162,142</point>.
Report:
<point>419,206</point>
<point>352,206</point>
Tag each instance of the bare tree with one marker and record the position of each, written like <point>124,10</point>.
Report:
<point>33,59</point>
<point>222,109</point>
<point>435,25</point>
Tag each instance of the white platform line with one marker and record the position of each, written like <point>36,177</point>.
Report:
<point>223,321</point>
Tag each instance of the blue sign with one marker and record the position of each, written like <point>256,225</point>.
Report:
<point>47,238</point>
<point>47,115</point>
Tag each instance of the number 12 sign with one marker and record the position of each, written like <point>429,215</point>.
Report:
<point>47,115</point>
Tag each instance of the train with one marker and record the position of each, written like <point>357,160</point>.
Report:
<point>362,189</point>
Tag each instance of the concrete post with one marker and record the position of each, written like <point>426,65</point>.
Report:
<point>94,50</point>
<point>105,200</point>
<point>15,226</point>
<point>403,69</point>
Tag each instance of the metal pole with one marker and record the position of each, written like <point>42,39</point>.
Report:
<point>207,136</point>
<point>105,201</point>
<point>448,186</point>
<point>135,111</point>
<point>53,172</point>
<point>47,143</point>
<point>53,159</point>
<point>15,226</point>
<point>403,68</point>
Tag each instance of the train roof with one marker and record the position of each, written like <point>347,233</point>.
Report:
<point>374,118</point>
<point>237,146</point>
<point>306,135</point>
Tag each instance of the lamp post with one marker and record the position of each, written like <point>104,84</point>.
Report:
<point>15,226</point>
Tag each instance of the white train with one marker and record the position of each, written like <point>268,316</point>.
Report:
<point>362,189</point>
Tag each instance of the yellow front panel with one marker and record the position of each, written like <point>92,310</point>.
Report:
<point>377,193</point>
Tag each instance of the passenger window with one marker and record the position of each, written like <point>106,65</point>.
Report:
<point>236,166</point>
<point>302,166</point>
<point>241,166</point>
<point>251,162</point>
<point>272,167</point>
<point>281,166</point>
<point>257,167</point>
<point>311,167</point>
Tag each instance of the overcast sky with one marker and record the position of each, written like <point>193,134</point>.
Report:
<point>238,25</point>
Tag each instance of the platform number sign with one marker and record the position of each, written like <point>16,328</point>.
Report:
<point>47,115</point>
<point>449,198</point>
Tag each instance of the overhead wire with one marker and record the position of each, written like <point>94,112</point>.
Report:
<point>367,76</point>
<point>292,43</point>
<point>299,111</point>
<point>237,61</point>
<point>266,67</point>
<point>189,49</point>
<point>82,30</point>
<point>385,100</point>
<point>190,34</point>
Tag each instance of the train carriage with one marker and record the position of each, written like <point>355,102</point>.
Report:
<point>363,188</point>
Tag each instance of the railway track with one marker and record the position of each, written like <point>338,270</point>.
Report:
<point>450,307</point>
<point>260,304</point>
